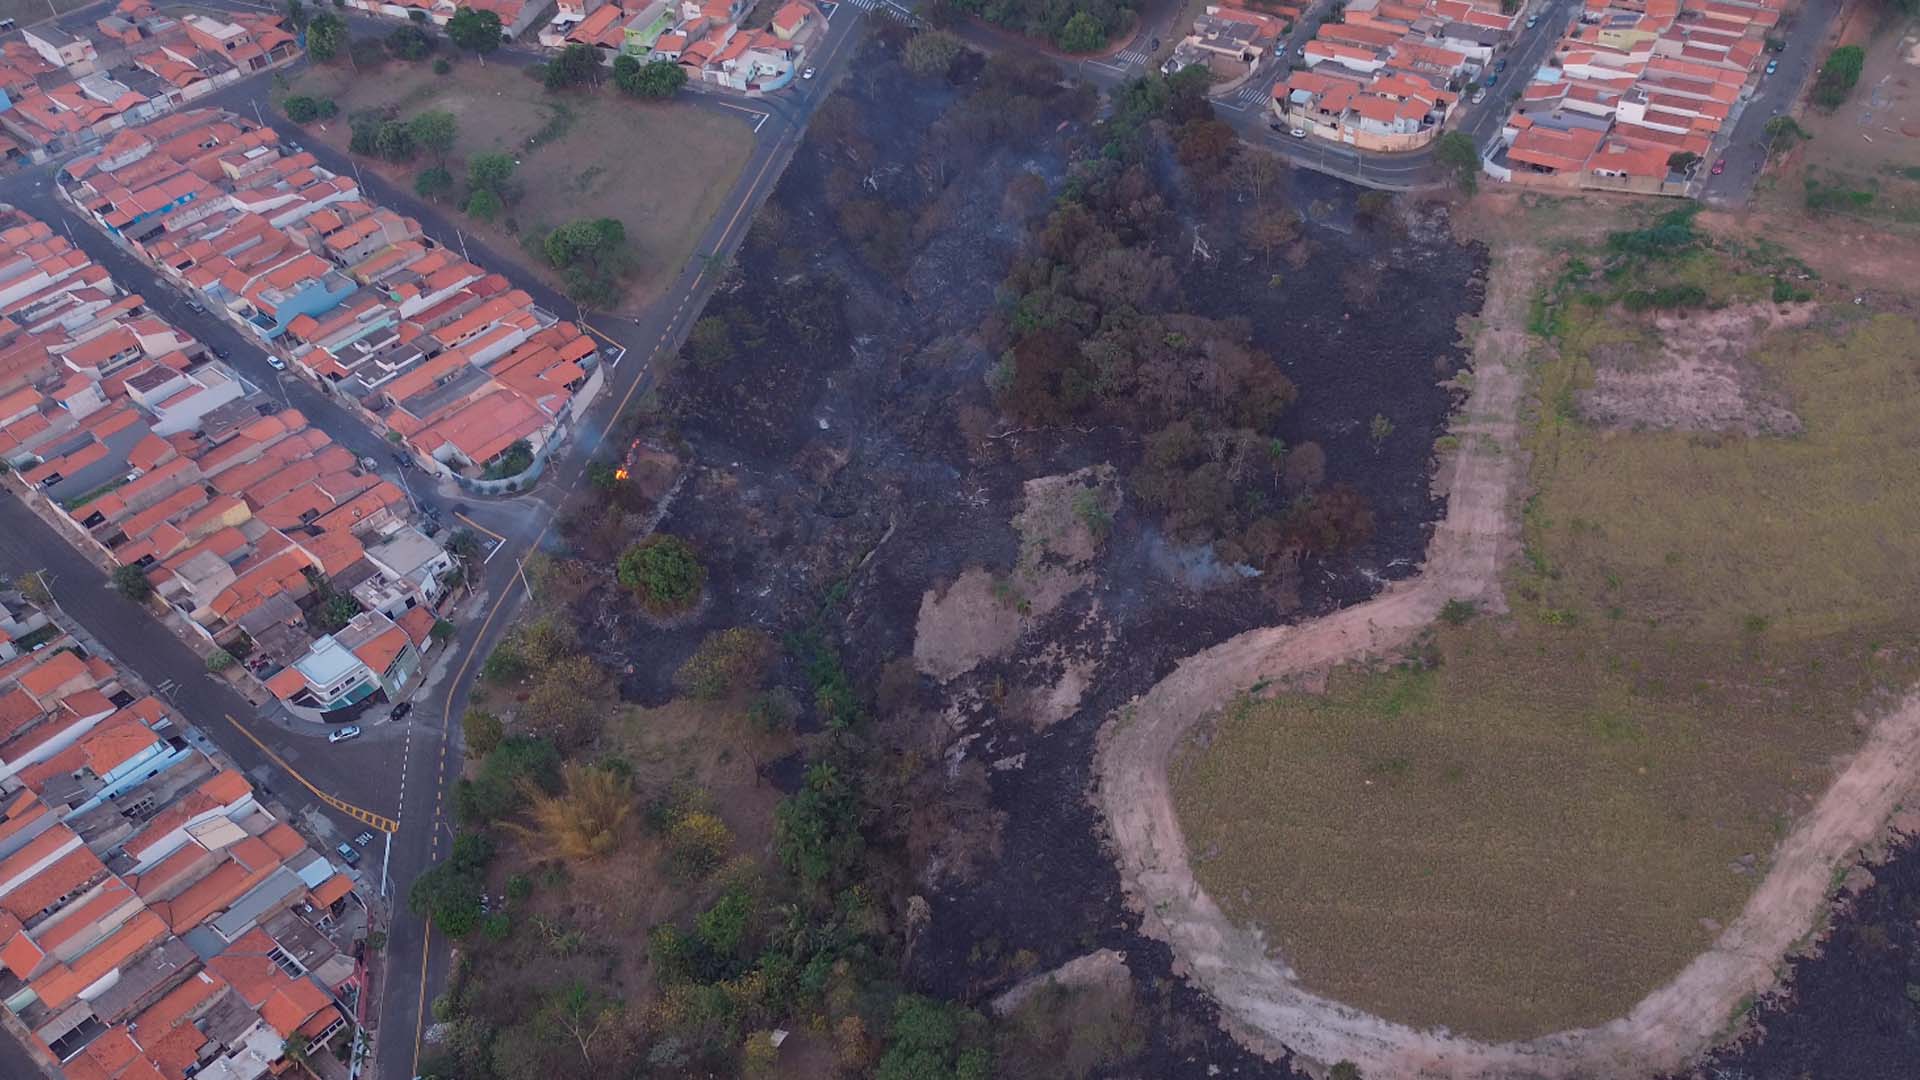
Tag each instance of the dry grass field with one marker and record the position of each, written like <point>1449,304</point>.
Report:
<point>1542,815</point>
<point>661,169</point>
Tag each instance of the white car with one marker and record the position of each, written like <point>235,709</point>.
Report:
<point>351,731</point>
<point>1298,133</point>
<point>276,363</point>
<point>807,74</point>
<point>1480,95</point>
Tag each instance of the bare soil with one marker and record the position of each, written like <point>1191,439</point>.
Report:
<point>1697,378</point>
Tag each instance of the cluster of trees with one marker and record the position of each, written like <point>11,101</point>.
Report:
<point>1076,26</point>
<point>1095,334</point>
<point>302,109</point>
<point>592,256</point>
<point>1838,76</point>
<point>657,80</point>
<point>392,139</point>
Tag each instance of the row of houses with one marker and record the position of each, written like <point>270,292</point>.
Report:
<point>451,361</point>
<point>703,36</point>
<point>1389,74</point>
<point>70,83</point>
<point>246,521</point>
<point>1635,90</point>
<point>156,920</point>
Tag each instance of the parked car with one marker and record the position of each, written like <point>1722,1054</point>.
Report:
<point>276,363</point>
<point>1719,166</point>
<point>1277,126</point>
<point>807,74</point>
<point>403,459</point>
<point>1479,94</point>
<point>400,711</point>
<point>1491,79</point>
<point>1500,64</point>
<point>348,855</point>
<point>1773,66</point>
<point>1532,21</point>
<point>351,731</point>
<point>196,307</point>
<point>363,839</point>
<point>221,351</point>
<point>369,465</point>
<point>1298,133</point>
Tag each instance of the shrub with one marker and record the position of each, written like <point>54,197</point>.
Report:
<point>664,573</point>
<point>504,664</point>
<point>1838,76</point>
<point>697,843</point>
<point>657,80</point>
<point>931,54</point>
<point>483,205</point>
<point>219,660</point>
<point>482,730</point>
<point>1458,612</point>
<point>442,66</point>
<point>726,663</point>
<point>575,65</point>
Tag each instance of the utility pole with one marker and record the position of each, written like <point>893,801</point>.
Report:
<point>256,112</point>
<point>385,861</point>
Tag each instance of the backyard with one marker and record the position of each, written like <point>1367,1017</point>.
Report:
<point>582,155</point>
<point>1555,808</point>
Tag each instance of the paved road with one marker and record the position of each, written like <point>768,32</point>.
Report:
<point>1746,150</point>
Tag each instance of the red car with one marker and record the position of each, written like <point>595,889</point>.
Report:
<point>1720,166</point>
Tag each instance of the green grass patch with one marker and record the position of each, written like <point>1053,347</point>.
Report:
<point>1526,832</point>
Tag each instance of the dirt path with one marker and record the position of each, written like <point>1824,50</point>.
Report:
<point>1256,990</point>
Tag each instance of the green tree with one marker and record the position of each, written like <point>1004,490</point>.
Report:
<point>934,1040</point>
<point>302,109</point>
<point>663,572</point>
<point>1344,1070</point>
<point>131,582</point>
<point>1081,34</point>
<point>1455,151</point>
<point>931,54</point>
<point>478,32</point>
<point>482,732</point>
<point>1681,160</point>
<point>575,65</point>
<point>435,131</point>
<point>660,79</point>
<point>585,241</point>
<point>816,830</point>
<point>434,182</point>
<point>483,205</point>
<point>296,1047</point>
<point>297,16</point>
<point>326,36</point>
<point>491,172</point>
<point>410,42</point>
<point>393,141</point>
<point>1838,76</point>
<point>219,660</point>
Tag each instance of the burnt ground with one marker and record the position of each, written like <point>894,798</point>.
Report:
<point>842,455</point>
<point>1853,1010</point>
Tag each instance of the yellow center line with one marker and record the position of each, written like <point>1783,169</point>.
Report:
<point>481,527</point>
<point>378,821</point>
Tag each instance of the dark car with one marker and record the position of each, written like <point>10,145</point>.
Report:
<point>221,352</point>
<point>403,459</point>
<point>401,710</point>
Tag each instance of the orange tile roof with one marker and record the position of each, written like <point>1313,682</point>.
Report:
<point>332,889</point>
<point>380,653</point>
<point>63,984</point>
<point>67,873</point>
<point>53,673</point>
<point>114,744</point>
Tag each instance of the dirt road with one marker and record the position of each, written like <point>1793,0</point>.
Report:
<point>1257,992</point>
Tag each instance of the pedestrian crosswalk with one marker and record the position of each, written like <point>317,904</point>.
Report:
<point>1254,94</point>
<point>1133,57</point>
<point>888,8</point>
